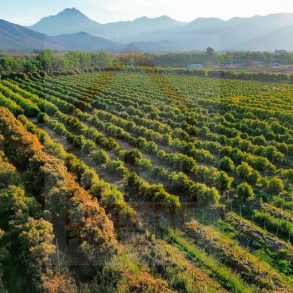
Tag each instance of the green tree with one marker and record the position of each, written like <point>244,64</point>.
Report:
<point>210,52</point>
<point>46,59</point>
<point>3,256</point>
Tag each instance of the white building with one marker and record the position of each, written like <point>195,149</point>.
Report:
<point>194,66</point>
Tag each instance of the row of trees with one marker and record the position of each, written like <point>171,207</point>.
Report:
<point>55,188</point>
<point>178,162</point>
<point>205,175</point>
<point>50,62</point>
<point>27,239</point>
<point>208,57</point>
<point>115,166</point>
<point>74,61</point>
<point>252,269</point>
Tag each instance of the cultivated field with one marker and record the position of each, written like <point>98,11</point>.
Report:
<point>143,182</point>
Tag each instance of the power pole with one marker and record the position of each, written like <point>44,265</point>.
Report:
<point>114,44</point>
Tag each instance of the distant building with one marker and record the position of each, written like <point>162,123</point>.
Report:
<point>258,63</point>
<point>274,64</point>
<point>280,52</point>
<point>194,66</point>
<point>229,64</point>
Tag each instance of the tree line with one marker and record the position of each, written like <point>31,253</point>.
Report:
<point>50,62</point>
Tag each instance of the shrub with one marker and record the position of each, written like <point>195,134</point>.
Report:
<point>245,191</point>
<point>204,195</point>
<point>100,156</point>
<point>226,164</point>
<point>88,178</point>
<point>150,147</point>
<point>133,156</point>
<point>116,167</point>
<point>88,147</point>
<point>180,162</point>
<point>208,196</point>
<point>287,175</point>
<point>146,165</point>
<point>179,133</point>
<point>236,155</point>
<point>166,140</point>
<point>254,178</point>
<point>263,164</point>
<point>154,193</point>
<point>161,154</point>
<point>276,185</point>
<point>244,170</point>
<point>224,181</point>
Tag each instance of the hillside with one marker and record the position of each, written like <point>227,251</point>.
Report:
<point>83,42</point>
<point>278,39</point>
<point>15,37</point>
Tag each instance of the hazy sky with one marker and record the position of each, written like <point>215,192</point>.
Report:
<point>29,11</point>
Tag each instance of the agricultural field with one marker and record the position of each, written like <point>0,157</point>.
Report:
<point>117,181</point>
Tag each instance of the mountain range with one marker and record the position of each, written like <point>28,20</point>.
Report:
<point>16,37</point>
<point>72,30</point>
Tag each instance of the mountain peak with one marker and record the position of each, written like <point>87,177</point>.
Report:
<point>70,11</point>
<point>164,18</point>
<point>83,34</point>
<point>68,21</point>
<point>143,18</point>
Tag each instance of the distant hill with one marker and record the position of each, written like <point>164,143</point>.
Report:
<point>162,46</point>
<point>71,21</point>
<point>84,42</point>
<point>15,37</point>
<point>229,35</point>
<point>281,39</point>
<point>236,31</point>
<point>126,31</point>
<point>160,33</point>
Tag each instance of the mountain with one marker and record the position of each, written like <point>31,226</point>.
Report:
<point>205,25</point>
<point>239,30</point>
<point>279,39</point>
<point>229,35</point>
<point>83,42</point>
<point>126,31</point>
<point>162,46</point>
<point>160,33</point>
<point>69,21</point>
<point>72,30</point>
<point>15,37</point>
